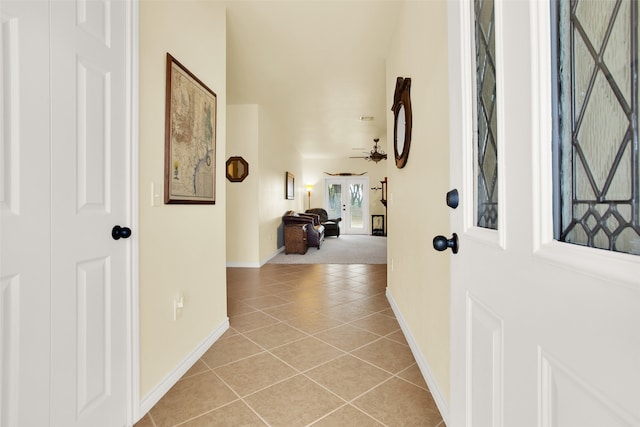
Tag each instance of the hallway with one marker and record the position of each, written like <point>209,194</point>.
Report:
<point>308,345</point>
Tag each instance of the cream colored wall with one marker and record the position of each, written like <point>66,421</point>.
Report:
<point>243,214</point>
<point>254,130</point>
<point>182,247</point>
<point>418,276</point>
<point>276,158</point>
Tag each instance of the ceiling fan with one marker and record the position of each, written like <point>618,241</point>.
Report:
<point>375,155</point>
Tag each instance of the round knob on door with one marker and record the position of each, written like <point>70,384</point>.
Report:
<point>441,243</point>
<point>118,232</point>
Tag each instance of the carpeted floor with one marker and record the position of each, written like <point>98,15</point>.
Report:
<point>346,249</point>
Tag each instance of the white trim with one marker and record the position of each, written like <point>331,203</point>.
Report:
<point>244,264</point>
<point>425,370</point>
<point>133,309</point>
<point>172,378</point>
<point>501,233</point>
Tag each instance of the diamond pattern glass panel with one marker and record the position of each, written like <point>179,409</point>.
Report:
<point>599,173</point>
<point>487,153</point>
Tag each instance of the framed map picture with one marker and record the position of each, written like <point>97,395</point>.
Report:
<point>190,138</point>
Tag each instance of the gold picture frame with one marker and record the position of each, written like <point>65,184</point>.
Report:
<point>190,138</point>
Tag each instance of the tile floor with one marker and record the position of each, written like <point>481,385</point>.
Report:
<point>309,345</point>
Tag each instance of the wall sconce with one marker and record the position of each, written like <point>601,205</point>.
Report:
<point>309,188</point>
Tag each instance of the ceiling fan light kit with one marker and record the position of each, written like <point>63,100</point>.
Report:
<point>375,155</point>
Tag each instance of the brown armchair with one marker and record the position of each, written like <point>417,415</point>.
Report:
<point>331,226</point>
<point>315,230</point>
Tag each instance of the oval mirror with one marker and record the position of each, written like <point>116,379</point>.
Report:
<point>402,121</point>
<point>400,125</point>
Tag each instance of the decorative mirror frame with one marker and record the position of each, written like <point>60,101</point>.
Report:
<point>402,98</point>
<point>234,160</point>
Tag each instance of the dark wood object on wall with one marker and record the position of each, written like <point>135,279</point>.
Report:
<point>289,186</point>
<point>237,169</point>
<point>402,121</point>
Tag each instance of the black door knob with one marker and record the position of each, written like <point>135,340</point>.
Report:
<point>118,232</point>
<point>441,243</point>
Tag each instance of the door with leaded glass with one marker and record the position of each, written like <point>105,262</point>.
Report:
<point>545,287</point>
<point>348,198</point>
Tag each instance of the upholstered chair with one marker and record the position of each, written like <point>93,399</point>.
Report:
<point>315,230</point>
<point>331,226</point>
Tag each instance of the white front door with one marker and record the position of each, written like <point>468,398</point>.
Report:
<point>348,198</point>
<point>66,282</point>
<point>543,333</point>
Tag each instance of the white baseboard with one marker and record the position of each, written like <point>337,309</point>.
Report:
<point>441,402</point>
<point>244,264</point>
<point>147,402</point>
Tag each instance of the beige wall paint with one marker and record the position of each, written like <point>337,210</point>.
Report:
<point>243,213</point>
<point>419,278</point>
<point>254,129</point>
<point>182,247</point>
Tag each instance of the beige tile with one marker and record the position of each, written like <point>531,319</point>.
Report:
<point>306,353</point>
<point>227,350</point>
<point>191,397</point>
<point>347,337</point>
<point>265,301</point>
<point>286,311</point>
<point>378,324</point>
<point>254,373</point>
<point>347,312</point>
<point>234,414</point>
<point>398,336</point>
<point>374,304</point>
<point>398,403</point>
<point>414,376</point>
<point>247,322</point>
<point>197,368</point>
<point>388,312</point>
<point>144,422</point>
<point>368,290</point>
<point>236,307</point>
<point>312,322</point>
<point>378,353</point>
<point>275,335</point>
<point>347,416</point>
<point>297,401</point>
<point>347,376</point>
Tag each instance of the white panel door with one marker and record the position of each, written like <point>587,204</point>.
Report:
<point>348,198</point>
<point>91,271</point>
<point>24,204</point>
<point>66,181</point>
<point>543,333</point>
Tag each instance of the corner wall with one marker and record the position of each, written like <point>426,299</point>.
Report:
<point>243,246</point>
<point>418,276</point>
<point>254,132</point>
<point>182,247</point>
